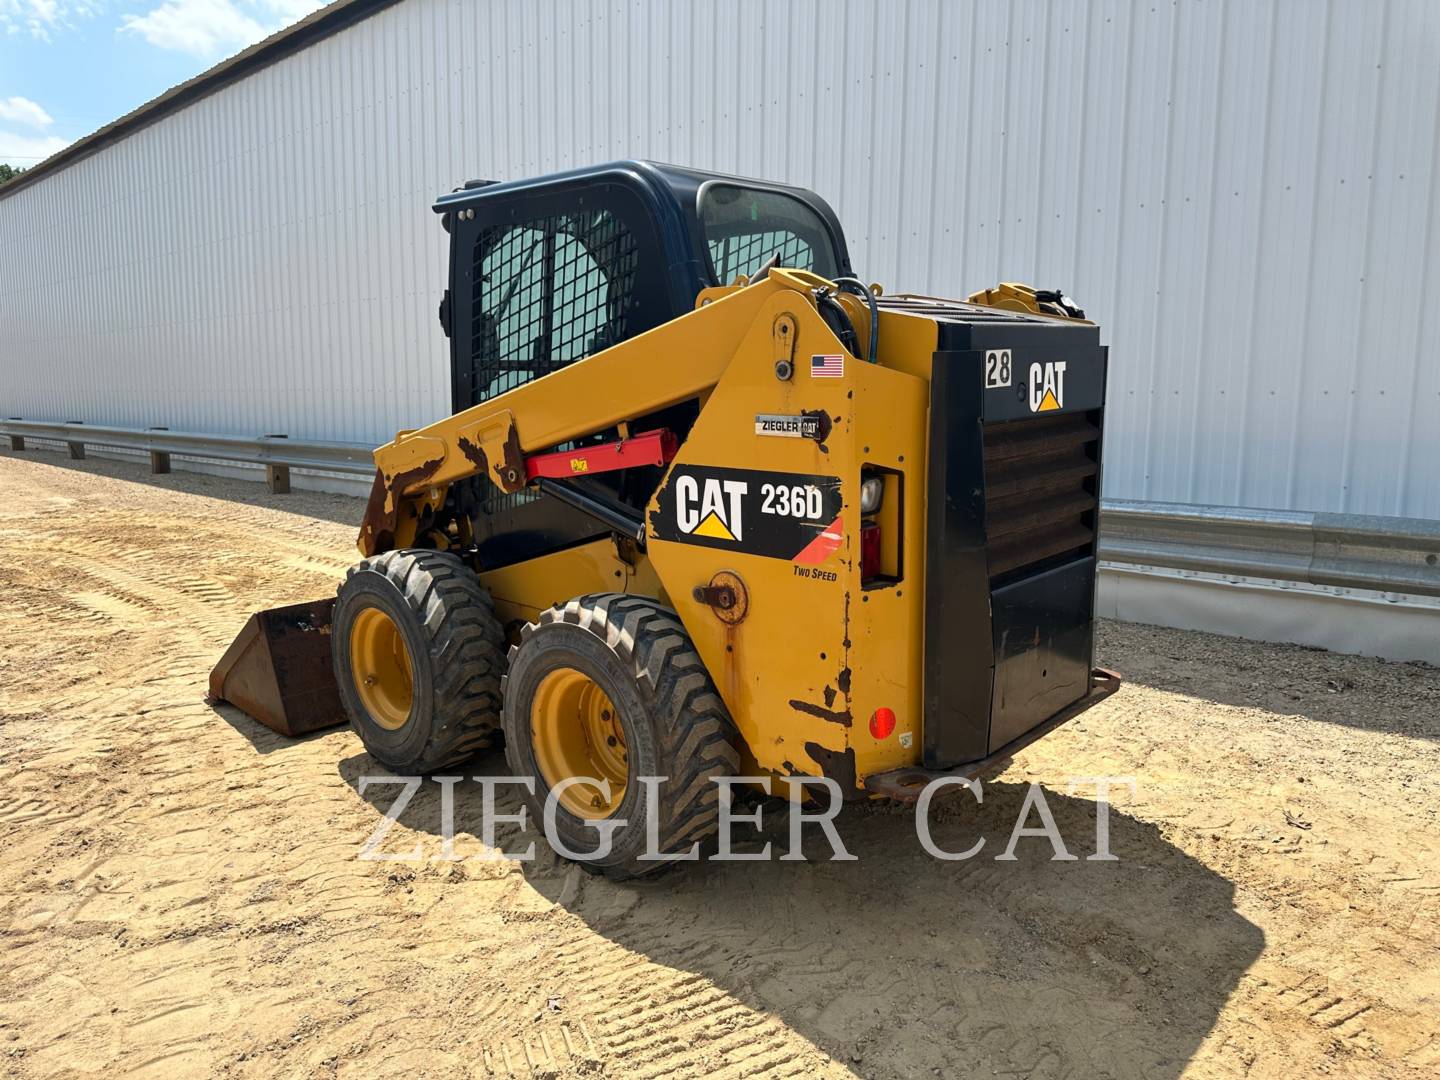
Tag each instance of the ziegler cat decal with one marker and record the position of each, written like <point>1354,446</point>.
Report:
<point>777,515</point>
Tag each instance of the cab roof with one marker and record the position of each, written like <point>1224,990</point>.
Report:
<point>672,194</point>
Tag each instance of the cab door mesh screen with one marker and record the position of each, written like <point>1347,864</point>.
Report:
<point>745,253</point>
<point>548,292</point>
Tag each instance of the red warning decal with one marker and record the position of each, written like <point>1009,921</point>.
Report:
<point>824,545</point>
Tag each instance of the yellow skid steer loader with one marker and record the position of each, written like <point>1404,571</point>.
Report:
<point>709,505</point>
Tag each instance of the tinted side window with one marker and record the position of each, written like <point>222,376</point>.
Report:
<point>745,227</point>
<point>548,292</point>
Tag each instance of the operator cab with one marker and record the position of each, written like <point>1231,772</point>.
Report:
<point>548,271</point>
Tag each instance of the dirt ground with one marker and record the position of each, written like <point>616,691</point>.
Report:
<point>182,895</point>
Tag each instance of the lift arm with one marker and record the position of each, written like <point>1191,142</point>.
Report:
<point>676,362</point>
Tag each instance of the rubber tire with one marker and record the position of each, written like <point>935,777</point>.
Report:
<point>456,646</point>
<point>675,724</point>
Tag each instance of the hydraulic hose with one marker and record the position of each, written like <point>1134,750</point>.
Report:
<point>859,288</point>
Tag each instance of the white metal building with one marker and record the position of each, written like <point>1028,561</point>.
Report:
<point>1244,195</point>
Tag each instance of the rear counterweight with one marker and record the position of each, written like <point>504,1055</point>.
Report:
<point>1012,512</point>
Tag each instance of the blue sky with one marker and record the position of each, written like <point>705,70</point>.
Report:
<point>68,67</point>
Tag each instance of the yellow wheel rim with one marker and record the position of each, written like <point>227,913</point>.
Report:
<point>380,665</point>
<point>576,732</point>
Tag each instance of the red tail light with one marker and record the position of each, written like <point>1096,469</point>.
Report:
<point>869,550</point>
<point>882,722</point>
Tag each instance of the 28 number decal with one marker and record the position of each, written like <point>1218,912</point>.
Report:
<point>997,368</point>
<point>801,501</point>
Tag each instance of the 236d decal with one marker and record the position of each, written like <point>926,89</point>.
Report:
<point>757,512</point>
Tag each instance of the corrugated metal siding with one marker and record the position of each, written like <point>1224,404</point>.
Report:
<point>1243,194</point>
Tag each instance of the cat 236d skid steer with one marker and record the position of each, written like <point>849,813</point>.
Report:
<point>708,505</point>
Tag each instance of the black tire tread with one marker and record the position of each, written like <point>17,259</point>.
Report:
<point>467,645</point>
<point>698,737</point>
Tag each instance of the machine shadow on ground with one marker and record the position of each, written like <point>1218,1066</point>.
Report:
<point>261,739</point>
<point>900,964</point>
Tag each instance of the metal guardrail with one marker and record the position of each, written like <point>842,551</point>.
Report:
<point>1385,554</point>
<point>1350,551</point>
<point>278,453</point>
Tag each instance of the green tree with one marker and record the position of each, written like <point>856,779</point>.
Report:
<point>7,173</point>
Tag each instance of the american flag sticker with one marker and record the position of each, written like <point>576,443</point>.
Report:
<point>830,366</point>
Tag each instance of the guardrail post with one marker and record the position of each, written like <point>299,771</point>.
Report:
<point>17,442</point>
<point>77,449</point>
<point>277,477</point>
<point>159,459</point>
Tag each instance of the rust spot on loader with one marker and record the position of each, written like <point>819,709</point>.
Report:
<point>732,662</point>
<point>508,474</point>
<point>473,454</point>
<point>373,533</point>
<point>820,712</point>
<point>822,420</point>
<point>382,509</point>
<point>837,765</point>
<point>512,462</point>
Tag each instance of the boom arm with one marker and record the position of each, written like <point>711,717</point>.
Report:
<point>672,363</point>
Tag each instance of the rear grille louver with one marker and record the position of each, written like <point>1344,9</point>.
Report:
<point>1040,490</point>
